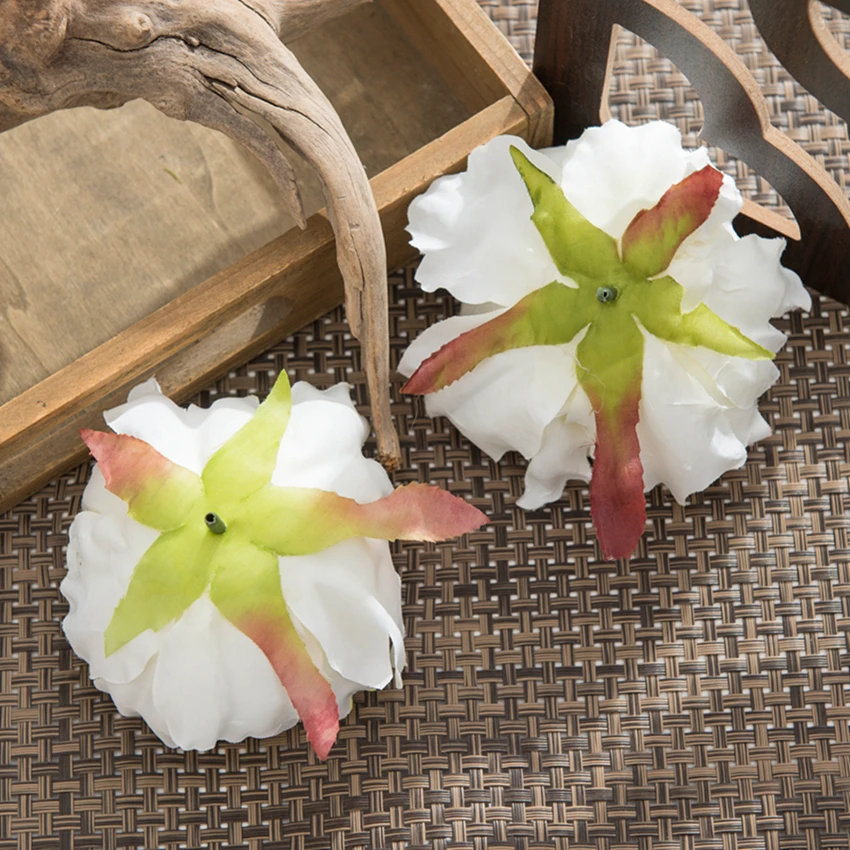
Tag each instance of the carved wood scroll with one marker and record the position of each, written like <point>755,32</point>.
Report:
<point>220,63</point>
<point>798,36</point>
<point>572,59</point>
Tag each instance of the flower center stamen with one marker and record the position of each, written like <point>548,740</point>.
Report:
<point>605,294</point>
<point>215,523</point>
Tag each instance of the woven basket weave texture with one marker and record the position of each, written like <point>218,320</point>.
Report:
<point>695,697</point>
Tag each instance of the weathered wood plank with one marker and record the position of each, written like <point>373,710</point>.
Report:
<point>108,216</point>
<point>476,60</point>
<point>238,313</point>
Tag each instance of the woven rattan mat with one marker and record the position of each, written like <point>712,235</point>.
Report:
<point>696,697</point>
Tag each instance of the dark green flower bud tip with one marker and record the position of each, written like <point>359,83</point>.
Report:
<point>605,294</point>
<point>215,523</point>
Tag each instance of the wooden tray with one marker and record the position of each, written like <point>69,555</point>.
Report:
<point>134,245</point>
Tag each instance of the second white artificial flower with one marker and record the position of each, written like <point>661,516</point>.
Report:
<point>670,361</point>
<point>229,573</point>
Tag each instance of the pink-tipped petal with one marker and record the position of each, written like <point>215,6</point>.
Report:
<point>310,692</point>
<point>551,315</point>
<point>617,500</point>
<point>300,521</point>
<point>246,590</point>
<point>654,235</point>
<point>457,358</point>
<point>416,512</point>
<point>159,493</point>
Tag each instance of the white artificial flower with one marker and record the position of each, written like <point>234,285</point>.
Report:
<point>697,406</point>
<point>198,678</point>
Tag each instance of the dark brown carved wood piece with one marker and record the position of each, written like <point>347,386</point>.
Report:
<point>220,63</point>
<point>572,60</point>
<point>798,36</point>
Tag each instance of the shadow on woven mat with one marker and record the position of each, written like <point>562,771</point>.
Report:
<point>696,697</point>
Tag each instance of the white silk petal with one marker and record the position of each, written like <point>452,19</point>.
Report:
<point>212,682</point>
<point>613,172</point>
<point>750,286</point>
<point>747,424</point>
<point>155,419</point>
<point>98,499</point>
<point>507,401</point>
<point>476,309</point>
<point>387,592</point>
<point>321,420</point>
<point>223,419</point>
<point>135,699</point>
<point>188,437</point>
<point>476,233</point>
<point>340,609</point>
<point>102,553</point>
<point>686,440</point>
<point>259,704</point>
<point>740,380</point>
<point>187,685</point>
<point>562,457</point>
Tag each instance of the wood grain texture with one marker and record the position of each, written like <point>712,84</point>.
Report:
<point>122,211</point>
<point>277,288</point>
<point>477,61</point>
<point>571,59</point>
<point>221,64</point>
<point>297,19</point>
<point>295,263</point>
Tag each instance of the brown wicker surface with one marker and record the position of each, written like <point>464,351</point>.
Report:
<point>696,697</point>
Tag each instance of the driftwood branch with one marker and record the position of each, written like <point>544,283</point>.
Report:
<point>215,62</point>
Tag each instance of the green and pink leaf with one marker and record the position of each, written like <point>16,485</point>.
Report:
<point>552,315</point>
<point>578,248</point>
<point>302,521</point>
<point>245,463</point>
<point>617,499</point>
<point>169,577</point>
<point>159,493</point>
<point>658,307</point>
<point>246,590</point>
<point>610,359</point>
<point>654,235</point>
<point>414,512</point>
